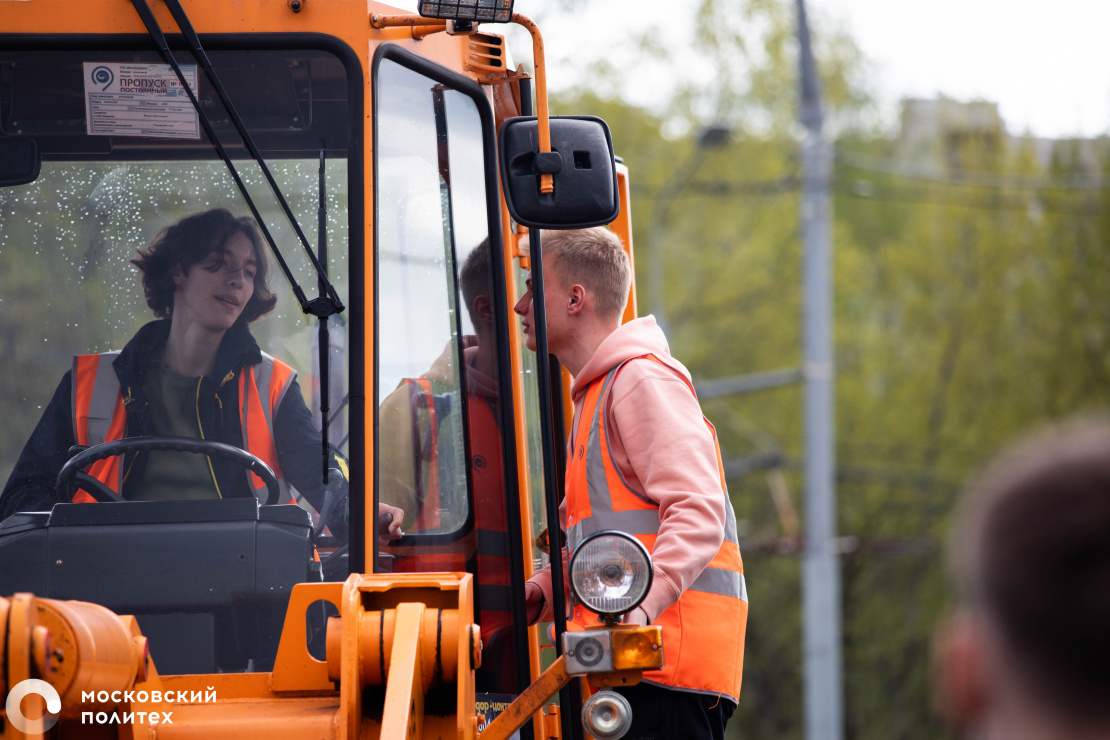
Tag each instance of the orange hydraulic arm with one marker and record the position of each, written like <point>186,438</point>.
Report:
<point>411,634</point>
<point>77,648</point>
<point>399,638</point>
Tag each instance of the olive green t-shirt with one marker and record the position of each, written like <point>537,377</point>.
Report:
<point>173,413</point>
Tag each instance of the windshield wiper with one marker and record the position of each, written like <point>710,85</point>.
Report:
<point>324,337</point>
<point>327,303</point>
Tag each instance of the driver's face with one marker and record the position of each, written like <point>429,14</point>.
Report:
<point>214,292</point>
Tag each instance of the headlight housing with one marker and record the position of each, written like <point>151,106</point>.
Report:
<point>610,573</point>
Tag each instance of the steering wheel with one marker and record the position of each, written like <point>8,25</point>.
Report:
<point>72,475</point>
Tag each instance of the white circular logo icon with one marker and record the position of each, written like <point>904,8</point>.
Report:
<point>15,698</point>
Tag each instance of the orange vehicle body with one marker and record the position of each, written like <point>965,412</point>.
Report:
<point>398,636</point>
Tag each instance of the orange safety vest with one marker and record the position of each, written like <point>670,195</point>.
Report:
<point>703,632</point>
<point>490,519</point>
<point>425,448</point>
<point>100,415</point>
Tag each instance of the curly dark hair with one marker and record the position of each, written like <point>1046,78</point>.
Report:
<point>192,240</point>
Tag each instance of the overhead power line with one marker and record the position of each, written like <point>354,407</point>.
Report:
<point>748,383</point>
<point>884,547</point>
<point>902,168</point>
<point>931,173</point>
<point>919,195</point>
<point>923,196</point>
<point>914,479</point>
<point>751,187</point>
<point>724,187</point>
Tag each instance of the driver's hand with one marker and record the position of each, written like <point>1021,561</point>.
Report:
<point>389,523</point>
<point>391,531</point>
<point>335,505</point>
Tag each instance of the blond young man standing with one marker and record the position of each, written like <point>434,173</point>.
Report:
<point>642,459</point>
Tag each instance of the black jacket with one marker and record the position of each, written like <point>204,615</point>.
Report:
<point>31,484</point>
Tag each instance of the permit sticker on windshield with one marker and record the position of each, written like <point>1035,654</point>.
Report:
<point>139,100</point>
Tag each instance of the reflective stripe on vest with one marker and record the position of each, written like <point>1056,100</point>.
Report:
<point>490,545</point>
<point>100,415</point>
<point>270,380</point>
<point>424,448</point>
<point>490,515</point>
<point>703,633</point>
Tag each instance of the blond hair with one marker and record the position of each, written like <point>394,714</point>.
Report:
<point>595,259</point>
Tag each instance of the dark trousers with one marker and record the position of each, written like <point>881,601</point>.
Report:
<point>659,713</point>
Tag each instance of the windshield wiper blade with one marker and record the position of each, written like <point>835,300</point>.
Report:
<point>328,303</point>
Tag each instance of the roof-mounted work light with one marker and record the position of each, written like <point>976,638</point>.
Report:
<point>474,11</point>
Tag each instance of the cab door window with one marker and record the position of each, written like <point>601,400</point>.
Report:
<point>440,350</point>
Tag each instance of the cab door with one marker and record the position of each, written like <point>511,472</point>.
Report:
<point>445,448</point>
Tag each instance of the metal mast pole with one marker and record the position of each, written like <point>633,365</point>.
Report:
<point>821,568</point>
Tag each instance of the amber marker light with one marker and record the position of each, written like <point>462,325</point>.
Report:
<point>639,647</point>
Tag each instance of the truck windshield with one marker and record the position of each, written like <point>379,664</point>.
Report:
<point>133,233</point>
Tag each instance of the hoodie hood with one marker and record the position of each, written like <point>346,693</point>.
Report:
<point>636,338</point>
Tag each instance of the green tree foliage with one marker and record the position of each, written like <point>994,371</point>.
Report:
<point>972,303</point>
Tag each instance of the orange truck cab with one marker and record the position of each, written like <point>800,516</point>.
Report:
<point>390,162</point>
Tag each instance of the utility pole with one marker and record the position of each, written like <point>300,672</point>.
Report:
<point>824,702</point>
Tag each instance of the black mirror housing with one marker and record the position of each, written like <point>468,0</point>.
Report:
<point>20,161</point>
<point>581,163</point>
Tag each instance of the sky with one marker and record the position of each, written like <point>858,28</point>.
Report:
<point>1046,63</point>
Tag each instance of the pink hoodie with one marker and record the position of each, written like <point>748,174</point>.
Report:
<point>665,450</point>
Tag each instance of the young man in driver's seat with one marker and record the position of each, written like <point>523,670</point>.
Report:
<point>195,372</point>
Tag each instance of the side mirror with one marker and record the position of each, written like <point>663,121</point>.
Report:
<point>580,162</point>
<point>19,161</point>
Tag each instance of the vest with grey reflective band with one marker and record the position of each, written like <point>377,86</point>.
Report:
<point>703,632</point>
<point>490,515</point>
<point>492,567</point>
<point>99,414</point>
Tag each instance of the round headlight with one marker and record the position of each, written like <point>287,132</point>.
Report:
<point>607,715</point>
<point>610,573</point>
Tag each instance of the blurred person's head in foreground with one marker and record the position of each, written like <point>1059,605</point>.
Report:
<point>1027,654</point>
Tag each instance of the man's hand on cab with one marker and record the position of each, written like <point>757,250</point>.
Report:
<point>533,602</point>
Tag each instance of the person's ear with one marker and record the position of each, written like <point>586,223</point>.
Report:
<point>483,309</point>
<point>960,674</point>
<point>178,276</point>
<point>576,299</point>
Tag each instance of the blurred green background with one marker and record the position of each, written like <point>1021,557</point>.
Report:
<point>972,303</point>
